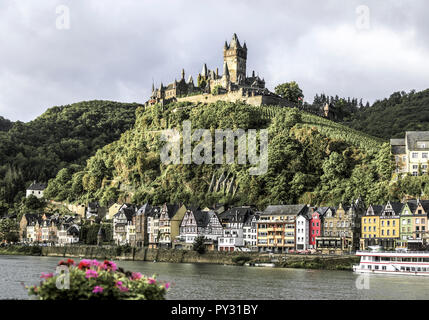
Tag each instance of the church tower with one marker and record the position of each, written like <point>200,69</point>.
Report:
<point>235,57</point>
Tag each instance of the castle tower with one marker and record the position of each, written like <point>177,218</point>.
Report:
<point>235,56</point>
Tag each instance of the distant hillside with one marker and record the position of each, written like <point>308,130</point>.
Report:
<point>61,137</point>
<point>390,118</point>
<point>310,160</point>
<point>5,124</point>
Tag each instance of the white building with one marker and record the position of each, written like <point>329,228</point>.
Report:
<point>153,226</point>
<point>68,234</point>
<point>412,153</point>
<point>199,223</point>
<point>250,233</point>
<point>302,231</point>
<point>233,221</point>
<point>124,227</point>
<point>36,189</point>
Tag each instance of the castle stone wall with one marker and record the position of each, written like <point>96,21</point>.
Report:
<point>233,96</point>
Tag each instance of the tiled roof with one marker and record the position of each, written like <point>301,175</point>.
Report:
<point>415,136</point>
<point>292,209</point>
<point>37,186</point>
<point>397,142</point>
<point>236,214</point>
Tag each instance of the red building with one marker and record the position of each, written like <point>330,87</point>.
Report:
<point>315,225</point>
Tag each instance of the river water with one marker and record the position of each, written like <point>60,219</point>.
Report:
<point>217,282</point>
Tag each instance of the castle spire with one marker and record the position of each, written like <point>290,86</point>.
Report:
<point>235,42</point>
<point>204,71</point>
<point>226,47</point>
<point>183,74</point>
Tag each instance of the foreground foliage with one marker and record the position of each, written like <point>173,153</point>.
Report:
<point>94,280</point>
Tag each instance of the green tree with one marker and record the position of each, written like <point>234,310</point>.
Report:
<point>290,91</point>
<point>8,230</point>
<point>199,245</point>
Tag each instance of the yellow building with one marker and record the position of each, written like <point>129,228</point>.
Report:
<point>390,225</point>
<point>370,226</point>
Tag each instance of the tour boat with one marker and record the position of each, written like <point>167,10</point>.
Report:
<point>401,262</point>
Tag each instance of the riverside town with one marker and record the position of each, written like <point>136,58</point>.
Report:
<point>149,154</point>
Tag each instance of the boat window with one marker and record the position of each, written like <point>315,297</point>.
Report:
<point>414,259</point>
<point>402,268</point>
<point>408,268</point>
<point>369,266</point>
<point>413,269</point>
<point>424,269</point>
<point>376,268</point>
<point>383,267</point>
<point>425,259</point>
<point>376,259</point>
<point>385,258</point>
<point>419,269</point>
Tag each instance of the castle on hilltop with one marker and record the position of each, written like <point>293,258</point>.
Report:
<point>233,85</point>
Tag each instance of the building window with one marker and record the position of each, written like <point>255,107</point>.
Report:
<point>414,155</point>
<point>424,155</point>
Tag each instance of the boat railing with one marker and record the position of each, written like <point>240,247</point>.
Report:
<point>393,252</point>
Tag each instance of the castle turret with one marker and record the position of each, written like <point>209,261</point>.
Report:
<point>236,57</point>
<point>183,74</point>
<point>225,70</point>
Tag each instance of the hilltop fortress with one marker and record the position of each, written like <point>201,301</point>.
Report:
<point>233,85</point>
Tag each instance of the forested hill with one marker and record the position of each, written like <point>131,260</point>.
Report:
<point>5,124</point>
<point>63,136</point>
<point>310,160</point>
<point>391,117</point>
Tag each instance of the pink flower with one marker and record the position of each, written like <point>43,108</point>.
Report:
<point>109,265</point>
<point>97,289</point>
<point>136,276</point>
<point>151,281</point>
<point>95,263</point>
<point>121,287</point>
<point>46,275</point>
<point>91,274</point>
<point>167,285</point>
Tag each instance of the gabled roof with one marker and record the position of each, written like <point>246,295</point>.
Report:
<point>201,218</point>
<point>291,209</point>
<point>32,218</point>
<point>172,209</point>
<point>397,142</point>
<point>413,137</point>
<point>237,214</point>
<point>321,210</point>
<point>128,212</point>
<point>154,211</point>
<point>376,208</point>
<point>144,209</point>
<point>396,207</point>
<point>425,205</point>
<point>37,186</point>
<point>412,204</point>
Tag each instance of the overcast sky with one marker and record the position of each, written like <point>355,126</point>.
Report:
<point>113,49</point>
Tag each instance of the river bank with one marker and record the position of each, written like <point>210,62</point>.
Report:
<point>323,262</point>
